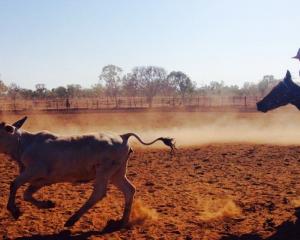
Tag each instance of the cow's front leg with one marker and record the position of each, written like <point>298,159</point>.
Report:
<point>28,196</point>
<point>15,185</point>
<point>98,193</point>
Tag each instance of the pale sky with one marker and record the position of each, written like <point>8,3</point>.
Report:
<point>59,42</point>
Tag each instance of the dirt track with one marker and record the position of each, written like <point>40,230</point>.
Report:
<point>202,193</point>
<point>211,191</point>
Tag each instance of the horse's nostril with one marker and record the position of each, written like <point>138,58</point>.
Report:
<point>260,107</point>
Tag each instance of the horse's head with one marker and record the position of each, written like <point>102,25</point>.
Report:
<point>284,93</point>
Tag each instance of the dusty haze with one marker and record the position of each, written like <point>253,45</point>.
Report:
<point>207,190</point>
<point>277,127</point>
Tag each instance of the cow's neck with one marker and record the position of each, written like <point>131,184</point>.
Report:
<point>16,152</point>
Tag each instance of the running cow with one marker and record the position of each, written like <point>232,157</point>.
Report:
<point>45,158</point>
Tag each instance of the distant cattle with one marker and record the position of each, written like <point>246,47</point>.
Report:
<point>45,158</point>
<point>283,93</point>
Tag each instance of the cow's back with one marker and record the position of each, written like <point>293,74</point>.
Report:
<point>76,157</point>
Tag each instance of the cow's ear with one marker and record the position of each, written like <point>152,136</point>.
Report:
<point>9,129</point>
<point>18,124</point>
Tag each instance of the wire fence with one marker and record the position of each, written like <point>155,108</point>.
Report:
<point>129,103</point>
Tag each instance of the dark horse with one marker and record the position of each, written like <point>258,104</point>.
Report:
<point>283,93</point>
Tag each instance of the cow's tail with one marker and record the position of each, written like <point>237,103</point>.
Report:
<point>167,141</point>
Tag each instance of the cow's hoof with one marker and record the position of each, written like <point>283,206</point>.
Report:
<point>114,225</point>
<point>47,204</point>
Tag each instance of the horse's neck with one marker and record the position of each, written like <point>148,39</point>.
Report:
<point>296,96</point>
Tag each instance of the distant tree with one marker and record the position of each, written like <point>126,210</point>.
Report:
<point>130,85</point>
<point>13,93</point>
<point>231,90</point>
<point>216,87</point>
<point>40,90</point>
<point>97,90</point>
<point>3,88</point>
<point>112,77</point>
<point>26,93</point>
<point>266,84</point>
<point>168,87</point>
<point>249,89</point>
<point>182,83</point>
<point>150,79</point>
<point>74,90</point>
<point>59,92</point>
<point>13,90</point>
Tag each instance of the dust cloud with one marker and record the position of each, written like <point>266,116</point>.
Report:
<point>188,128</point>
<point>296,202</point>
<point>216,209</point>
<point>141,214</point>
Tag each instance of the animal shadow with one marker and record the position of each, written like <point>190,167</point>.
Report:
<point>288,230</point>
<point>110,227</point>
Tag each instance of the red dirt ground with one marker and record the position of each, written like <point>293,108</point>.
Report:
<point>207,191</point>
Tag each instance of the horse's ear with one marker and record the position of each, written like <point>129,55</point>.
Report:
<point>288,79</point>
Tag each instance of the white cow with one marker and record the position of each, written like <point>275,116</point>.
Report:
<point>45,158</point>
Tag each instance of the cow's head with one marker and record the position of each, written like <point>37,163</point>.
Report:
<point>9,135</point>
<point>283,93</point>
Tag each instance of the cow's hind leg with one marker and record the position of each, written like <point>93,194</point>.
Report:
<point>99,192</point>
<point>28,196</point>
<point>127,188</point>
<point>15,185</point>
